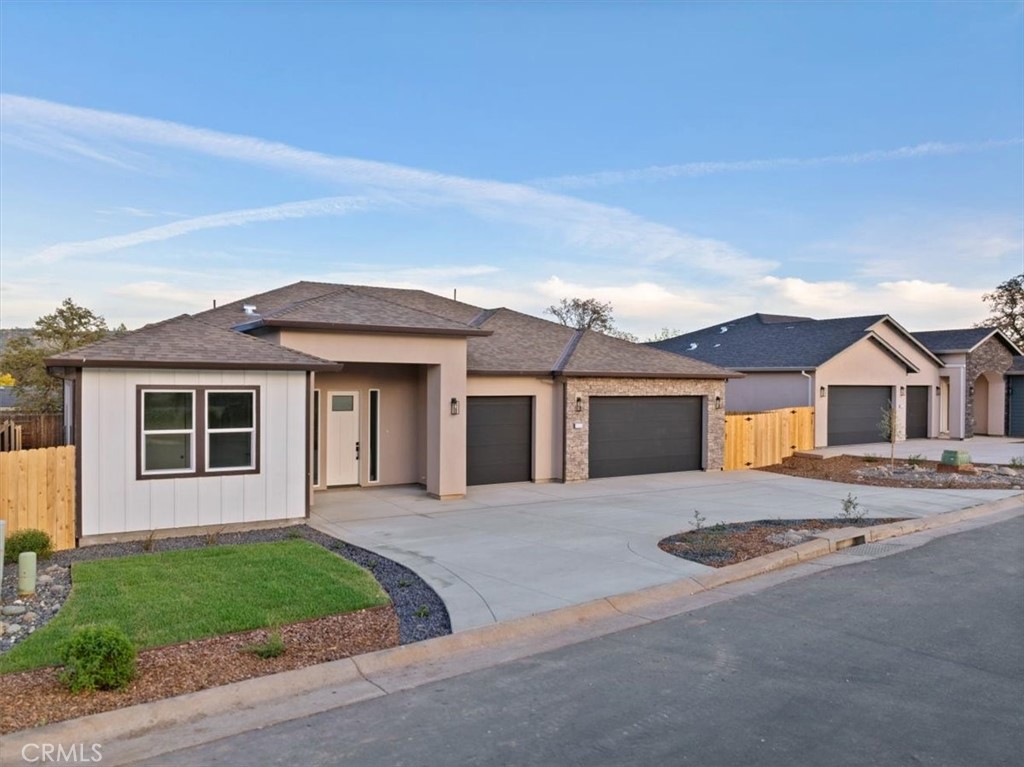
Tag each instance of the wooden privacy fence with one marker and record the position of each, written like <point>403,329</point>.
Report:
<point>762,439</point>
<point>38,429</point>
<point>10,436</point>
<point>37,490</point>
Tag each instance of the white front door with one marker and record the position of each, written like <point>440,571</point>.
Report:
<point>343,438</point>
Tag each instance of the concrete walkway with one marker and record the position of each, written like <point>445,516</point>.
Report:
<point>508,551</point>
<point>983,450</point>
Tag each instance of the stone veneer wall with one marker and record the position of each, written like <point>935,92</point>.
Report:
<point>991,357</point>
<point>577,441</point>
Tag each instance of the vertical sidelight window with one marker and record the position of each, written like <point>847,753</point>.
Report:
<point>316,437</point>
<point>374,433</point>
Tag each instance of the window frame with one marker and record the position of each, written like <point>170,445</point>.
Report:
<point>200,433</point>
<point>143,433</point>
<point>209,431</point>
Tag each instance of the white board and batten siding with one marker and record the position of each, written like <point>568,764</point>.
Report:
<point>115,501</point>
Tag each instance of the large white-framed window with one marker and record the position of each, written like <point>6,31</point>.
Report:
<point>198,431</point>
<point>230,429</point>
<point>168,442</point>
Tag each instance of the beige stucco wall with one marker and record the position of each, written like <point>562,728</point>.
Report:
<point>867,364</point>
<point>577,440</point>
<point>402,407</point>
<point>444,361</point>
<point>547,416</point>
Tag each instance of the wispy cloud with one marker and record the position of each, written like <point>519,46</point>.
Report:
<point>581,223</point>
<point>695,169</point>
<point>329,206</point>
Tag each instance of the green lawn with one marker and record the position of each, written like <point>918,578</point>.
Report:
<point>176,596</point>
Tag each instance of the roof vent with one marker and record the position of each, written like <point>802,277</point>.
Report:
<point>249,309</point>
<point>692,346</point>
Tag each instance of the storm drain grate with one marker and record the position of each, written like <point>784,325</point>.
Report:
<point>873,549</point>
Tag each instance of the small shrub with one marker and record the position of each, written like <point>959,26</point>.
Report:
<point>97,658</point>
<point>1016,462</point>
<point>422,612</point>
<point>27,540</point>
<point>871,458</point>
<point>150,542</point>
<point>271,647</point>
<point>212,539</point>
<point>404,583</point>
<point>293,534</point>
<point>916,460</point>
<point>852,510</point>
<point>698,520</point>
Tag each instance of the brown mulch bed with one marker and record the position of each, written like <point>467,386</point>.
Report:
<point>844,468</point>
<point>33,698</point>
<point>721,545</point>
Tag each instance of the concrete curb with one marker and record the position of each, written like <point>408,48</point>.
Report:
<point>387,671</point>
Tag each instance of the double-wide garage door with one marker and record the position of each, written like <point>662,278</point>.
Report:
<point>854,413</point>
<point>645,435</point>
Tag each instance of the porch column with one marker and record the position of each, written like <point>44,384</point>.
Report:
<point>446,433</point>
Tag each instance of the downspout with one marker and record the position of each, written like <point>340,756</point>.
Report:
<point>810,387</point>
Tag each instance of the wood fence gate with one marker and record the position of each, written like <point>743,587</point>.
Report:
<point>765,438</point>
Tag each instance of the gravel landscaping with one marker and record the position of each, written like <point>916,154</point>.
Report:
<point>35,697</point>
<point>876,470</point>
<point>721,545</point>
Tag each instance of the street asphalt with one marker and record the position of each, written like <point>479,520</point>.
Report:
<point>916,658</point>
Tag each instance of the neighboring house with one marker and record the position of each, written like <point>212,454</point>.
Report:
<point>944,383</point>
<point>239,413</point>
<point>8,398</point>
<point>976,360</point>
<point>1015,398</point>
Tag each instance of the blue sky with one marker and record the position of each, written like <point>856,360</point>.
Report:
<point>688,162</point>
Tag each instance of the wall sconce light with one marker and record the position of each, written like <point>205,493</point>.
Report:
<point>455,406</point>
<point>821,391</point>
<point>718,402</point>
<point>938,391</point>
<point>970,390</point>
<point>903,390</point>
<point>579,404</point>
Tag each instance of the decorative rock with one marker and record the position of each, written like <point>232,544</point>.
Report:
<point>13,609</point>
<point>29,617</point>
<point>13,628</point>
<point>1007,471</point>
<point>44,580</point>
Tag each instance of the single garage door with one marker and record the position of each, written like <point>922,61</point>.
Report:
<point>1015,405</point>
<point>917,412</point>
<point>854,413</point>
<point>645,435</point>
<point>499,440</point>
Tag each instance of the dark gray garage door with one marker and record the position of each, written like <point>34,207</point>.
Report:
<point>499,440</point>
<point>917,411</point>
<point>854,413</point>
<point>644,435</point>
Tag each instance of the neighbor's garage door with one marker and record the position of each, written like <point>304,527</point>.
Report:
<point>499,440</point>
<point>645,435</point>
<point>854,413</point>
<point>917,412</point>
<point>1015,408</point>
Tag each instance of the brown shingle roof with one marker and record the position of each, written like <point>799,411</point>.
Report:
<point>187,342</point>
<point>318,305</point>
<point>520,344</point>
<point>599,355</point>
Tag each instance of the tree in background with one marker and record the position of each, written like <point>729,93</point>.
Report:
<point>664,334</point>
<point>68,327</point>
<point>588,314</point>
<point>1006,309</point>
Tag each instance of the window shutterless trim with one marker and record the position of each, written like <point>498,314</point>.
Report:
<point>199,431</point>
<point>250,430</point>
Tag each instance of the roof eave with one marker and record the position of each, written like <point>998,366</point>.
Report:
<point>324,367</point>
<point>361,328</point>
<point>681,376</point>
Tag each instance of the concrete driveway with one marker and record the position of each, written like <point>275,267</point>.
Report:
<point>507,551</point>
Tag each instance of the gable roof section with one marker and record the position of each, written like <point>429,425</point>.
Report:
<point>187,342</point>
<point>961,340</point>
<point>765,342</point>
<point>598,355</point>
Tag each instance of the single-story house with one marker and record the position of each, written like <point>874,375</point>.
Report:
<point>850,369</point>
<point>244,412</point>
